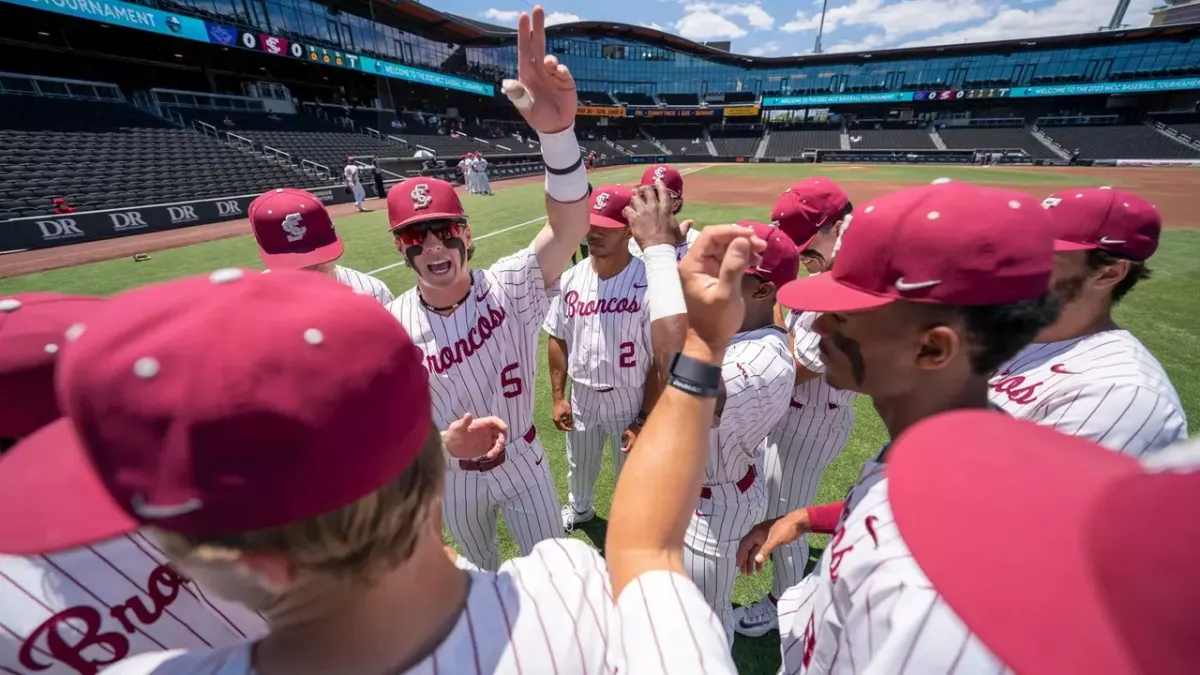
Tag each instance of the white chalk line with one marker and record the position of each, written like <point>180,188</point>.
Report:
<point>510,228</point>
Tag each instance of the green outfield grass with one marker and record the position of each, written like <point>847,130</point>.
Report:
<point>1162,313</point>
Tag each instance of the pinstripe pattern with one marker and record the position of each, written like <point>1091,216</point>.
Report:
<point>1106,387</point>
<point>549,612</point>
<point>813,431</point>
<point>606,325</point>
<point>668,628</point>
<point>364,284</point>
<point>73,612</point>
<point>482,359</point>
<point>680,250</point>
<point>870,608</point>
<point>758,374</point>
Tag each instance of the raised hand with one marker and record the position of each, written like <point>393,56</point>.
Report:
<point>650,219</point>
<point>470,438</point>
<point>544,91</point>
<point>711,274</point>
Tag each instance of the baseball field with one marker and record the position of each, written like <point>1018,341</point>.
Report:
<point>1162,312</point>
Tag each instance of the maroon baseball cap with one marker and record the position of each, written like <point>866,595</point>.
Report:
<point>293,230</point>
<point>780,259</point>
<point>669,175</point>
<point>947,244</point>
<point>33,328</point>
<point>416,200</point>
<point>608,206</point>
<point>1088,600</point>
<point>215,404</point>
<point>1116,221</point>
<point>807,206</point>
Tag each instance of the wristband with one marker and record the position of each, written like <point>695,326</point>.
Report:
<point>664,291</point>
<point>694,376</point>
<point>640,420</point>
<point>566,177</point>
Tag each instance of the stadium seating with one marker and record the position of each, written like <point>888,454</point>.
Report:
<point>793,142</point>
<point>1124,141</point>
<point>890,139</point>
<point>995,138</point>
<point>101,155</point>
<point>735,142</point>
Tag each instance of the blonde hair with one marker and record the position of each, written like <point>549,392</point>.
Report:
<point>362,540</point>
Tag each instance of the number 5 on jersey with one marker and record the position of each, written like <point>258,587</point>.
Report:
<point>510,383</point>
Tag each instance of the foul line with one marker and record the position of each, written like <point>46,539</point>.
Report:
<point>510,228</point>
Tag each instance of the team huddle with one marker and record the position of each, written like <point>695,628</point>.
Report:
<point>245,472</point>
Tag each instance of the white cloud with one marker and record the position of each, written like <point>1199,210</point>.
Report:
<point>1061,17</point>
<point>561,17</point>
<point>652,24</point>
<point>896,19</point>
<point>764,49</point>
<point>709,21</point>
<point>502,16</point>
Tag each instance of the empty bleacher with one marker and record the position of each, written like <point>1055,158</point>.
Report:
<point>995,138</point>
<point>635,99</point>
<point>1118,141</point>
<point>732,140</point>
<point>107,154</point>
<point>867,138</point>
<point>680,99</point>
<point>793,141</point>
<point>596,98</point>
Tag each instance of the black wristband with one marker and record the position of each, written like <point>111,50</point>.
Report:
<point>695,377</point>
<point>640,420</point>
<point>563,172</point>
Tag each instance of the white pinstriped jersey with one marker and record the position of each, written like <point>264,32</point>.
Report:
<point>1106,387</point>
<point>814,392</point>
<point>759,374</point>
<point>606,324</point>
<point>682,636</point>
<point>75,612</point>
<point>680,250</point>
<point>482,358</point>
<point>868,607</point>
<point>364,284</point>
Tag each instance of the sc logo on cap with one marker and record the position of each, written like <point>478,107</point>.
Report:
<point>601,201</point>
<point>420,196</point>
<point>660,172</point>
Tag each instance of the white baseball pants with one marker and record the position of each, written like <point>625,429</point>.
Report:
<point>710,545</point>
<point>521,486</point>
<point>359,194</point>
<point>599,416</point>
<point>798,449</point>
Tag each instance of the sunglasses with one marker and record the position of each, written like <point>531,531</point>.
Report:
<point>414,235</point>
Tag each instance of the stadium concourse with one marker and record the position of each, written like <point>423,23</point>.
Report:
<point>142,144</point>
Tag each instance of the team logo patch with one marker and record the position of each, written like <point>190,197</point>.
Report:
<point>1050,202</point>
<point>291,225</point>
<point>660,172</point>
<point>420,196</point>
<point>601,201</point>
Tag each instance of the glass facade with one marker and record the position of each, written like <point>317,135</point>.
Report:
<point>626,66</point>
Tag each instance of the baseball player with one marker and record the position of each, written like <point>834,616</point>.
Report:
<point>74,612</point>
<point>479,329</point>
<point>757,374</point>
<point>350,173</point>
<point>1085,375</point>
<point>599,328</point>
<point>932,288</point>
<point>293,230</point>
<point>464,167</point>
<point>670,177</point>
<point>481,165</point>
<point>819,418</point>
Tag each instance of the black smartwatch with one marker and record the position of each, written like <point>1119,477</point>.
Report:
<point>695,377</point>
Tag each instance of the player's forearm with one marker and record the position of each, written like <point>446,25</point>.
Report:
<point>566,203</point>
<point>557,351</point>
<point>824,519</point>
<point>667,336</point>
<point>804,374</point>
<point>652,389</point>
<point>657,491</point>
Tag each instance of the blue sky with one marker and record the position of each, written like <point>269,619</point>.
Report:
<point>789,27</point>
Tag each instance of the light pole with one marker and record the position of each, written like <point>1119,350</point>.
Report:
<point>821,29</point>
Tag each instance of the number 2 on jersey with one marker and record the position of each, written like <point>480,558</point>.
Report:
<point>628,360</point>
<point>510,383</point>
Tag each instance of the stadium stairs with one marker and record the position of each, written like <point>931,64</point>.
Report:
<point>110,154</point>
<point>1120,141</point>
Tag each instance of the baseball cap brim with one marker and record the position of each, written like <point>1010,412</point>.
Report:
<point>51,482</point>
<point>299,260</point>
<point>964,486</point>
<point>1064,245</point>
<point>598,220</point>
<point>823,293</point>
<point>424,217</point>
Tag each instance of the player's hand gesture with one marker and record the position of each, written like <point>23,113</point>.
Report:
<point>564,417</point>
<point>650,218</point>
<point>544,91</point>
<point>767,536</point>
<point>711,274</point>
<point>686,226</point>
<point>630,436</point>
<point>470,438</point>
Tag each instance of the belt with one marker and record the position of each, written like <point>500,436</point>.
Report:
<point>798,405</point>
<point>489,463</point>
<point>742,485</point>
<point>602,391</point>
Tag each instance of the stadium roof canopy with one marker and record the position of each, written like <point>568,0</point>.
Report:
<point>429,22</point>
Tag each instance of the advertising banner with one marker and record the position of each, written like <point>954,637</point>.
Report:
<point>600,111</point>
<point>741,110</point>
<point>672,112</point>
<point>123,14</point>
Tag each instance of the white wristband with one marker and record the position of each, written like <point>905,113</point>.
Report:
<point>561,151</point>
<point>665,290</point>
